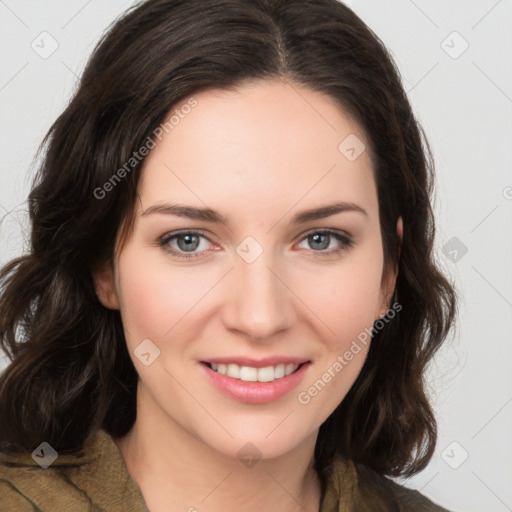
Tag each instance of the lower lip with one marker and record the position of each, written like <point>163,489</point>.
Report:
<point>255,392</point>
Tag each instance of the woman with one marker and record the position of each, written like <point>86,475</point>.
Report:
<point>231,297</point>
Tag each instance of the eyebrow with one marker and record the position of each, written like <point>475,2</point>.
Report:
<point>209,215</point>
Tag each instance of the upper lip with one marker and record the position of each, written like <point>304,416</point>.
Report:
<point>257,363</point>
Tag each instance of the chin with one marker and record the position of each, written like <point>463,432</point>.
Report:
<point>259,442</point>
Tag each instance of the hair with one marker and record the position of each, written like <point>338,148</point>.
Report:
<point>70,372</point>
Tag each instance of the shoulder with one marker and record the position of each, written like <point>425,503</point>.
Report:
<point>25,485</point>
<point>356,487</point>
<point>379,487</point>
<point>93,478</point>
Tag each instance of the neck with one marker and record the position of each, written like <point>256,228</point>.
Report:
<point>177,471</point>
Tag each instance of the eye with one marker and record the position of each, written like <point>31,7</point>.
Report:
<point>319,241</point>
<point>183,244</point>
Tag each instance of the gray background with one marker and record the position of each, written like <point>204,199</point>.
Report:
<point>463,97</point>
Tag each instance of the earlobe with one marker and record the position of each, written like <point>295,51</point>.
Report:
<point>400,235</point>
<point>390,283</point>
<point>400,228</point>
<point>387,295</point>
<point>104,284</point>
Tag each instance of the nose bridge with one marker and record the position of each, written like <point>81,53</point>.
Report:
<point>260,302</point>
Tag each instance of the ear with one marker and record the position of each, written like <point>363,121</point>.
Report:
<point>389,279</point>
<point>104,284</point>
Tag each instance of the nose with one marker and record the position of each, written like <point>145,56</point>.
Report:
<point>260,301</point>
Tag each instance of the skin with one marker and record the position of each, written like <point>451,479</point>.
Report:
<point>258,155</point>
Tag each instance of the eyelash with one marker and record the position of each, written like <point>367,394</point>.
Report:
<point>346,243</point>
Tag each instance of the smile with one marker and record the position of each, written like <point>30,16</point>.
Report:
<point>252,374</point>
<point>260,384</point>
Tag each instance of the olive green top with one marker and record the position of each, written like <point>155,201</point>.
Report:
<point>96,480</point>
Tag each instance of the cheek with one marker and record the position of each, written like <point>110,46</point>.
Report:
<point>345,304</point>
<point>344,299</point>
<point>162,302</point>
<point>151,300</point>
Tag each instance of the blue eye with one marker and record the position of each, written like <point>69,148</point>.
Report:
<point>319,241</point>
<point>185,244</point>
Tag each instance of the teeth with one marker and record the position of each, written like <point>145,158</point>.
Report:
<point>266,374</point>
<point>251,374</point>
<point>279,371</point>
<point>233,371</point>
<point>248,374</point>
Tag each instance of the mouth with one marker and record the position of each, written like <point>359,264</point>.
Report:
<point>255,382</point>
<point>254,374</point>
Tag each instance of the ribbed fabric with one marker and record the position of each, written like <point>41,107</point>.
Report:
<point>96,480</point>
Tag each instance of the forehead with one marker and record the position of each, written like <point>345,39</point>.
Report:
<point>258,145</point>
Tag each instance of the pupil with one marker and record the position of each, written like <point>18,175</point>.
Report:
<point>317,239</point>
<point>190,240</point>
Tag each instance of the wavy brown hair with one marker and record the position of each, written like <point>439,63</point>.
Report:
<point>70,371</point>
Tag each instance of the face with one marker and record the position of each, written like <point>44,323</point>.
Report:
<point>235,265</point>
